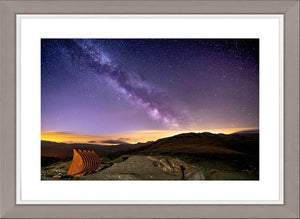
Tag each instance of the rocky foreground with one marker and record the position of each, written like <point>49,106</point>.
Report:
<point>151,168</point>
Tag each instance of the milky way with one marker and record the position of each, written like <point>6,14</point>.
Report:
<point>142,95</point>
<point>97,86</point>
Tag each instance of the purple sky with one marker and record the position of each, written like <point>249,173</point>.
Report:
<point>109,86</point>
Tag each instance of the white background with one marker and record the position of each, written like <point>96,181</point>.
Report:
<point>30,30</point>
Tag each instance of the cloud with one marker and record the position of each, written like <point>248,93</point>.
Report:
<point>124,139</point>
<point>113,142</point>
<point>94,142</point>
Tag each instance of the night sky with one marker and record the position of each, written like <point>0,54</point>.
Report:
<point>122,89</point>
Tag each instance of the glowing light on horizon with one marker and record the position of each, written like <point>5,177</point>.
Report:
<point>131,137</point>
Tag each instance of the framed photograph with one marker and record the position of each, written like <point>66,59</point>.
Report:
<point>179,110</point>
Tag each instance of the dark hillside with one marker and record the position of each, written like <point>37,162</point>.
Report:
<point>205,143</point>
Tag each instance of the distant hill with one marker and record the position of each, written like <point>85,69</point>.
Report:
<point>204,143</point>
<point>65,151</point>
<point>253,131</point>
<point>187,143</point>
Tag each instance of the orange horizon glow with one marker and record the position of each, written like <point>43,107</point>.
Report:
<point>132,137</point>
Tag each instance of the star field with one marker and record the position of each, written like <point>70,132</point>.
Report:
<point>108,86</point>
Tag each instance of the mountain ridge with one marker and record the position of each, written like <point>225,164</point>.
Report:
<point>184,143</point>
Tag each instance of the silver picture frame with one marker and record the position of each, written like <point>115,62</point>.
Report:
<point>9,10</point>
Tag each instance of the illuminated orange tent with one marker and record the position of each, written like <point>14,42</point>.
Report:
<point>83,163</point>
